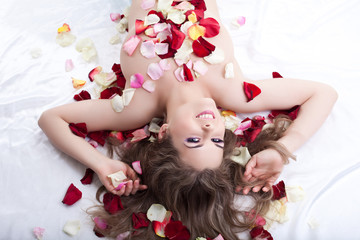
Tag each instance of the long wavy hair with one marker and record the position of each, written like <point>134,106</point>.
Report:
<point>202,200</point>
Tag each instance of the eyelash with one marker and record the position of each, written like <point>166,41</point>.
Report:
<point>196,140</point>
<point>217,140</point>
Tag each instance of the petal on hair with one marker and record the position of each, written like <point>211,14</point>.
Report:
<point>73,194</point>
<point>137,167</point>
<point>130,45</point>
<point>147,4</point>
<point>292,112</point>
<point>159,227</point>
<point>88,177</point>
<point>39,232</point>
<point>136,80</point>
<point>112,203</point>
<point>295,193</point>
<point>241,155</point>
<point>69,65</point>
<point>216,57</point>
<point>211,25</point>
<point>219,237</point>
<point>100,223</point>
<point>140,220</point>
<point>117,178</point>
<point>149,86</point>
<point>161,48</point>
<point>115,16</point>
<point>156,212</point>
<point>72,227</point>
<point>139,134</point>
<point>243,126</point>
<point>200,67</point>
<point>196,31</point>
<point>128,95</point>
<point>154,71</point>
<point>99,136</point>
<point>251,91</point>
<point>279,191</point>
<point>79,129</point>
<point>94,72</point>
<point>175,230</point>
<point>64,28</point>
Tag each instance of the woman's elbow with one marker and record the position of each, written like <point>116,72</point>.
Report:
<point>44,119</point>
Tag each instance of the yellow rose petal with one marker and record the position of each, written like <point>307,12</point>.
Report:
<point>192,17</point>
<point>196,31</point>
<point>77,83</point>
<point>65,28</point>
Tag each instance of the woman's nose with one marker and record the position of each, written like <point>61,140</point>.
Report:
<point>207,126</point>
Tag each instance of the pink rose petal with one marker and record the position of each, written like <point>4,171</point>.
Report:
<point>155,71</point>
<point>131,44</point>
<point>120,185</point>
<point>136,80</point>
<point>189,64</point>
<point>161,48</point>
<point>115,16</point>
<point>147,49</point>
<point>38,232</point>
<point>200,67</point>
<point>165,65</point>
<point>179,74</point>
<point>100,223</point>
<point>139,134</point>
<point>147,4</point>
<point>69,65</point>
<point>123,236</point>
<point>149,86</point>
<point>241,20</point>
<point>159,27</point>
<point>137,167</point>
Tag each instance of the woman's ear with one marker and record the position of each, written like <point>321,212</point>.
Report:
<point>163,131</point>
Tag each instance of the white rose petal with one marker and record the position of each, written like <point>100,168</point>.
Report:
<point>122,25</point>
<point>36,52</point>
<point>151,19</point>
<point>241,155</point>
<point>313,223</point>
<point>185,26</point>
<point>217,56</point>
<point>149,86</point>
<point>116,39</point>
<point>229,70</point>
<point>294,193</point>
<point>161,48</point>
<point>156,212</point>
<point>117,103</point>
<point>177,16</point>
<point>128,95</point>
<point>65,39</point>
<point>183,53</point>
<point>117,178</point>
<point>87,49</point>
<point>72,227</point>
<point>277,212</point>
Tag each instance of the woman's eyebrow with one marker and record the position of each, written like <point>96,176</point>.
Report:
<point>200,145</point>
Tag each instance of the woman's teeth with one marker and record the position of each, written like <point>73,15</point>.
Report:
<point>206,116</point>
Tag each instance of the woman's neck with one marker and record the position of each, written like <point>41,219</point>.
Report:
<point>184,92</point>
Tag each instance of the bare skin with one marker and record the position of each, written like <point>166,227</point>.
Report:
<point>183,103</point>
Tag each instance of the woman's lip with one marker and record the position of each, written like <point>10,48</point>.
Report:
<point>206,112</point>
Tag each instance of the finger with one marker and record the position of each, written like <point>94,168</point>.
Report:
<point>143,187</point>
<point>246,190</point>
<point>129,187</point>
<point>121,191</point>
<point>266,188</point>
<point>135,187</point>
<point>238,189</point>
<point>249,166</point>
<point>256,188</point>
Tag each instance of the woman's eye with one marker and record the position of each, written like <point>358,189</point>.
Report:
<point>193,140</point>
<point>217,140</point>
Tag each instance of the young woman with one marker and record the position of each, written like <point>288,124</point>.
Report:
<point>188,168</point>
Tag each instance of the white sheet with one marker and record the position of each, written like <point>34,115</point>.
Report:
<point>316,40</point>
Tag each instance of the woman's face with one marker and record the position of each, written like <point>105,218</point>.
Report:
<point>197,131</point>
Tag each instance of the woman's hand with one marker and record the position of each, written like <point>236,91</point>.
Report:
<point>265,166</point>
<point>110,166</point>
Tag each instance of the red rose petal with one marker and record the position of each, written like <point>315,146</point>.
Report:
<point>260,233</point>
<point>199,4</point>
<point>211,25</point>
<point>79,129</point>
<point>73,194</point>
<point>87,179</point>
<point>292,112</point>
<point>140,220</point>
<point>199,13</point>
<point>251,91</point>
<point>83,95</point>
<point>93,72</point>
<point>112,203</point>
<point>120,79</point>
<point>175,230</point>
<point>110,92</point>
<point>206,44</point>
<point>99,136</point>
<point>276,75</point>
<point>177,38</point>
<point>279,191</point>
<point>187,74</point>
<point>251,134</point>
<point>139,26</point>
<point>202,48</point>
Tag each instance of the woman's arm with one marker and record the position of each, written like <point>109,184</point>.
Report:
<point>98,115</point>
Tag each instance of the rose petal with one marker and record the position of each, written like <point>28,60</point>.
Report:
<point>128,95</point>
<point>202,48</point>
<point>72,227</point>
<point>160,27</point>
<point>79,129</point>
<point>130,45</point>
<point>139,220</point>
<point>183,53</point>
<point>260,233</point>
<point>187,74</point>
<point>176,16</point>
<point>216,57</point>
<point>87,49</point>
<point>156,212</point>
<point>199,4</point>
<point>123,236</point>
<point>83,95</point>
<point>139,134</point>
<point>151,19</point>
<point>200,67</point>
<point>313,223</point>
<point>241,155</point>
<point>161,48</point>
<point>147,49</point>
<point>239,21</point>
<point>73,194</point>
<point>185,6</point>
<point>64,28</point>
<point>155,71</point>
<point>294,193</point>
<point>149,86</point>
<point>244,125</point>
<point>118,188</point>
<point>178,38</point>
<point>117,178</point>
<point>69,65</point>
<point>279,191</point>
<point>136,80</point>
<point>219,237</point>
<point>87,179</point>
<point>137,167</point>
<point>175,230</point>
<point>94,72</point>
<point>196,31</point>
<point>165,65</point>
<point>112,203</point>
<point>164,5</point>
<point>36,53</point>
<point>292,112</point>
<point>38,232</point>
<point>115,16</point>
<point>229,70</point>
<point>65,39</point>
<point>140,26</point>
<point>100,223</point>
<point>105,79</point>
<point>99,136</point>
<point>199,14</point>
<point>122,26</point>
<point>159,227</point>
<point>211,25</point>
<point>150,32</point>
<point>277,213</point>
<point>179,74</point>
<point>251,91</point>
<point>276,75</point>
<point>147,4</point>
<point>110,92</point>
